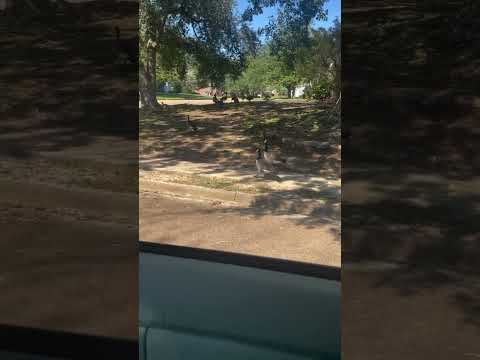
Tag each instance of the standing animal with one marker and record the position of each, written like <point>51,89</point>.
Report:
<point>270,157</point>
<point>260,163</point>
<point>266,152</point>
<point>191,124</point>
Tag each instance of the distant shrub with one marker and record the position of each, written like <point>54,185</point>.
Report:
<point>307,92</point>
<point>177,87</point>
<point>322,90</point>
<point>267,95</point>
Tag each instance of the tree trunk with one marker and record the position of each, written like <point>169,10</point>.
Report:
<point>290,92</point>
<point>148,80</point>
<point>338,82</point>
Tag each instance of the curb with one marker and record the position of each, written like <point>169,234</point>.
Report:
<point>197,192</point>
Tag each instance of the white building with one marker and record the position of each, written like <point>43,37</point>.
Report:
<point>299,90</point>
<point>166,88</point>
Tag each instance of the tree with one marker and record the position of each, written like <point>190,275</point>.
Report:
<point>336,54</point>
<point>151,27</point>
<point>320,60</point>
<point>206,30</point>
<point>290,31</point>
<point>289,81</point>
<point>263,73</point>
<point>249,40</point>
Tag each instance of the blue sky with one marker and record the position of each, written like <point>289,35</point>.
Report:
<point>334,8</point>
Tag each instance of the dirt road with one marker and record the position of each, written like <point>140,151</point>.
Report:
<point>212,225</point>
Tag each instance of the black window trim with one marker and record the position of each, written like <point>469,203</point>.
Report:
<point>246,260</point>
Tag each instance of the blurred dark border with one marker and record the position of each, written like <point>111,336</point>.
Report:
<point>69,178</point>
<point>410,239</point>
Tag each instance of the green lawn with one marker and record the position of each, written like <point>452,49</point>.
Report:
<point>181,96</point>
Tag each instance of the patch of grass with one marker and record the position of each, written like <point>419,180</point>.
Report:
<point>292,100</point>
<point>272,121</point>
<point>213,182</point>
<point>254,123</point>
<point>151,123</point>
<point>181,96</point>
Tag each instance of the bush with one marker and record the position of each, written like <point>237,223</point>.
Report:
<point>322,90</point>
<point>282,92</point>
<point>177,87</point>
<point>307,92</point>
<point>266,95</point>
<point>188,88</point>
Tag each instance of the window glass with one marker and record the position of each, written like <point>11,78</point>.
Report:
<point>240,129</point>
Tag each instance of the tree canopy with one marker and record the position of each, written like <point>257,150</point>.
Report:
<point>290,27</point>
<point>206,38</point>
<point>262,74</point>
<point>315,62</point>
<point>303,54</point>
<point>172,29</point>
<point>320,59</point>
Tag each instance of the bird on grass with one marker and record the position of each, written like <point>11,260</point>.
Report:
<point>260,163</point>
<point>269,156</point>
<point>191,125</point>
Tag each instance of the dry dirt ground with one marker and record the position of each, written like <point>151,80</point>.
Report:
<point>228,136</point>
<point>217,226</point>
<point>294,214</point>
